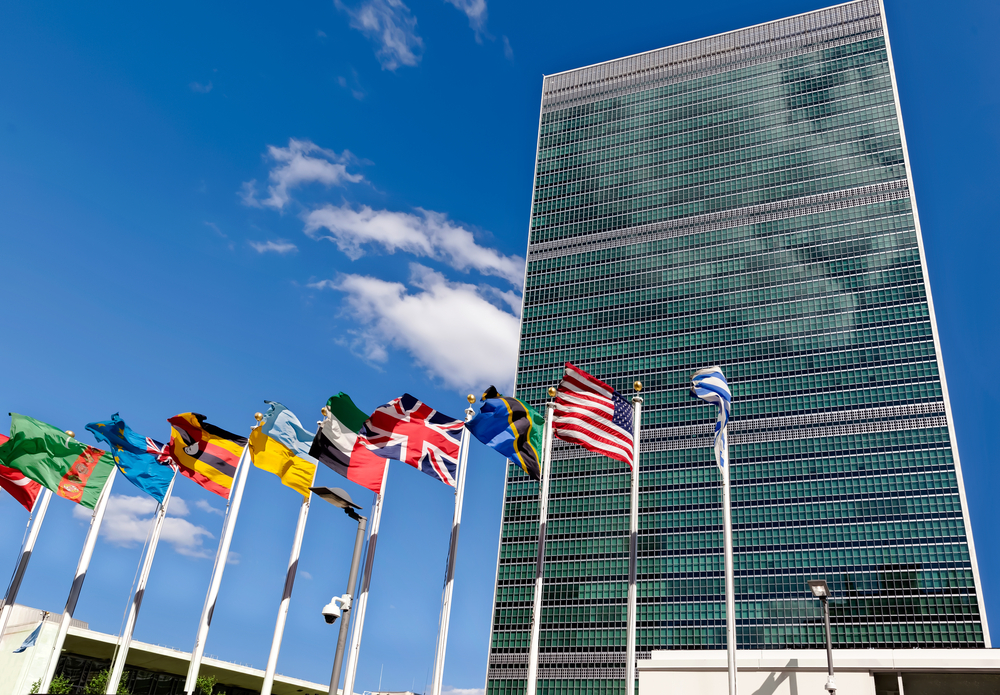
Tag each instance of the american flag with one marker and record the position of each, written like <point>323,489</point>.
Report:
<point>410,431</point>
<point>592,414</point>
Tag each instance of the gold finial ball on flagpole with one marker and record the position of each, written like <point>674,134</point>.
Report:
<point>637,386</point>
<point>471,399</point>
<point>258,417</point>
<point>552,392</point>
<point>324,411</point>
<point>71,433</point>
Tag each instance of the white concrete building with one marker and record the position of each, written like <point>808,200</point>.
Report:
<point>804,672</point>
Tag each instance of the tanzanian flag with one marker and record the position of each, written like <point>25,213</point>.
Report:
<point>511,427</point>
<point>280,445</point>
<point>51,457</point>
<point>206,454</point>
<point>338,446</point>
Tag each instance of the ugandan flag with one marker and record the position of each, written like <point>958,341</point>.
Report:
<point>206,454</point>
<point>512,428</point>
<point>52,458</point>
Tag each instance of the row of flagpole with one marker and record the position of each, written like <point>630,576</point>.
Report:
<point>359,605</point>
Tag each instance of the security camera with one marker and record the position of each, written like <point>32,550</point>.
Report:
<point>332,610</point>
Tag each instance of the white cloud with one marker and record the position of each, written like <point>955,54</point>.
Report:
<point>200,88</point>
<point>206,507</point>
<point>320,34</point>
<point>233,558</point>
<point>475,10</point>
<point>305,575</point>
<point>392,27</point>
<point>449,690</point>
<point>280,246</point>
<point>508,52</point>
<point>429,234</point>
<point>128,520</point>
<point>300,163</point>
<point>451,329</point>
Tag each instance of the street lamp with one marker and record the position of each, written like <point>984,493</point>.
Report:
<point>822,592</point>
<point>340,498</point>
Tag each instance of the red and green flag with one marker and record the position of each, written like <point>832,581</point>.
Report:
<point>51,457</point>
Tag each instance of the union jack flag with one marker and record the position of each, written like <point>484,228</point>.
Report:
<point>411,431</point>
<point>160,452</point>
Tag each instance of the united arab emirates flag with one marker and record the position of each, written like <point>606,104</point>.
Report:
<point>338,446</point>
<point>51,457</point>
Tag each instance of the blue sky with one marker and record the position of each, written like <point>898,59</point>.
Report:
<point>210,205</point>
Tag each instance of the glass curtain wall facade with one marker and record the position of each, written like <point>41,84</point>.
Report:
<point>742,200</point>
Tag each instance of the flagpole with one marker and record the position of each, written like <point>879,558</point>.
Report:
<point>38,511</point>
<point>286,597</point>
<point>633,543</point>
<point>118,667</point>
<point>449,578</point>
<point>543,516</point>
<point>361,604</point>
<point>221,556</point>
<point>727,534</point>
<point>81,575</point>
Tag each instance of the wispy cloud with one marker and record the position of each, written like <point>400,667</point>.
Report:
<point>475,10</point>
<point>320,34</point>
<point>127,523</point>
<point>354,85</point>
<point>440,325</point>
<point>429,234</point>
<point>300,163</point>
<point>199,88</point>
<point>280,246</point>
<point>508,52</point>
<point>207,507</point>
<point>391,26</point>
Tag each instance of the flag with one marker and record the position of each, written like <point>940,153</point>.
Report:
<point>23,489</point>
<point>511,427</point>
<point>592,414</point>
<point>142,460</point>
<point>206,454</point>
<point>710,385</point>
<point>280,445</point>
<point>336,444</point>
<point>51,457</point>
<point>410,431</point>
<point>30,640</point>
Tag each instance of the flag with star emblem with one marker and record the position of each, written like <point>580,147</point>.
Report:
<point>23,489</point>
<point>51,457</point>
<point>592,414</point>
<point>142,460</point>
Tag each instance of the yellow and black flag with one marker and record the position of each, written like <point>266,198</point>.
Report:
<point>206,454</point>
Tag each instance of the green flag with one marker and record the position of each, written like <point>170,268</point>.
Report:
<point>51,457</point>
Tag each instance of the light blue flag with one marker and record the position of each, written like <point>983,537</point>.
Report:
<point>30,639</point>
<point>710,385</point>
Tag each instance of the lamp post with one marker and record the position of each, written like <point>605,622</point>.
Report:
<point>821,591</point>
<point>340,498</point>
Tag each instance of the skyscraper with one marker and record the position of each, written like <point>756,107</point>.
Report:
<point>742,200</point>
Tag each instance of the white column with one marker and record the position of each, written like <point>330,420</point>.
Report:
<point>118,667</point>
<point>633,545</point>
<point>354,649</point>
<point>235,497</point>
<point>449,577</point>
<point>81,574</point>
<point>38,511</point>
<point>543,517</point>
<point>286,597</point>
<point>727,534</point>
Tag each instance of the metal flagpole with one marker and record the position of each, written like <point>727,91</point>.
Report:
<point>236,496</point>
<point>354,648</point>
<point>38,511</point>
<point>633,543</point>
<point>449,579</point>
<point>543,515</point>
<point>727,534</point>
<point>118,668</point>
<point>81,575</point>
<point>286,597</point>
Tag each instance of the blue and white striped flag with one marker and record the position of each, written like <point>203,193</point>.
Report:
<point>710,385</point>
